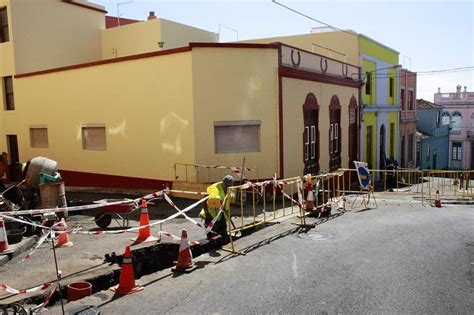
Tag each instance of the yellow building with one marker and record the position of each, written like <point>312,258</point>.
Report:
<point>124,120</point>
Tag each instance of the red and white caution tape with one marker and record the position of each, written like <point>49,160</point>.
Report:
<point>66,209</point>
<point>172,204</point>
<point>221,209</point>
<point>11,290</point>
<point>187,192</point>
<point>211,224</point>
<point>79,231</point>
<point>43,286</point>
<point>54,227</point>
<point>176,237</point>
<point>40,307</point>
<point>40,241</point>
<point>179,213</point>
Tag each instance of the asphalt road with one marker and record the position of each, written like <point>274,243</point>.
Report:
<point>399,258</point>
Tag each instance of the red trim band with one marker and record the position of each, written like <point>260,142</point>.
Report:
<point>82,179</point>
<point>107,61</point>
<point>317,77</point>
<point>234,45</point>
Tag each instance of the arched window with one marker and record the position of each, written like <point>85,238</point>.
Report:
<point>445,118</point>
<point>311,134</point>
<point>334,134</point>
<point>456,122</point>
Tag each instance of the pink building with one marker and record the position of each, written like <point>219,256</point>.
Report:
<point>407,118</point>
<point>458,111</point>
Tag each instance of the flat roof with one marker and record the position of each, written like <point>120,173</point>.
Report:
<point>274,45</point>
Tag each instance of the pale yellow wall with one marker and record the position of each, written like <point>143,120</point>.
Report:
<point>143,37</point>
<point>294,95</point>
<point>175,34</point>
<point>7,68</point>
<point>338,41</point>
<point>236,84</point>
<point>146,105</point>
<point>131,39</point>
<point>50,34</point>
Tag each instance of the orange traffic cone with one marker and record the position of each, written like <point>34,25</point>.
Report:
<point>144,234</point>
<point>185,257</point>
<point>63,238</point>
<point>4,247</point>
<point>437,201</point>
<point>127,277</point>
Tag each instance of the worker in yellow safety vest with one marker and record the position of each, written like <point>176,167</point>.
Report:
<point>211,208</point>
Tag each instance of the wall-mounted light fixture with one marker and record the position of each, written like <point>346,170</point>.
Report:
<point>161,44</point>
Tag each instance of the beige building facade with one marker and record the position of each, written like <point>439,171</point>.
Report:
<point>124,120</point>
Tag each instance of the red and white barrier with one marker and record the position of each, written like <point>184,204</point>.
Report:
<point>43,286</point>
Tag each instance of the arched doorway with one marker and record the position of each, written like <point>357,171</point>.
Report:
<point>382,147</point>
<point>353,135</point>
<point>311,134</point>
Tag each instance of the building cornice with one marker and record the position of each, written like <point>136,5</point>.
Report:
<point>84,5</point>
<point>293,73</point>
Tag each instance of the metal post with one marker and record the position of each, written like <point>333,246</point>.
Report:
<point>274,197</point>
<point>253,204</point>
<point>264,195</point>
<point>241,206</point>
<point>57,270</point>
<point>291,200</point>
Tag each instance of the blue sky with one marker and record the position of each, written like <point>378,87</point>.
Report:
<point>429,35</point>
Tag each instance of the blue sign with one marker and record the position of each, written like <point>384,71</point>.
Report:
<point>364,176</point>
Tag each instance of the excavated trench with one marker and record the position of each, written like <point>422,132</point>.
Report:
<point>146,260</point>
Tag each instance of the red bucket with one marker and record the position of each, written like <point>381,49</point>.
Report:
<point>78,290</point>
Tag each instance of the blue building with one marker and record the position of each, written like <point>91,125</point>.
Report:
<point>432,150</point>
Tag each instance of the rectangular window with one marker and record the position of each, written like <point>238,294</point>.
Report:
<point>331,137</point>
<point>94,137</point>
<point>392,140</point>
<point>4,33</point>
<point>391,83</point>
<point>8,92</point>
<point>306,143</point>
<point>237,136</point>
<point>368,83</point>
<point>313,142</point>
<point>410,100</point>
<point>39,137</point>
<point>402,98</point>
<point>457,151</point>
<point>336,138</point>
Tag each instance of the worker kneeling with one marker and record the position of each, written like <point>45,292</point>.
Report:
<point>211,210</point>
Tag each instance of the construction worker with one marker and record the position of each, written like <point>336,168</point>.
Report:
<point>211,208</point>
